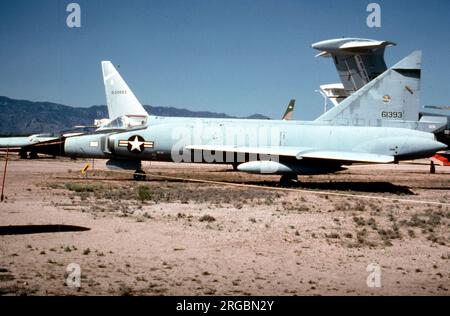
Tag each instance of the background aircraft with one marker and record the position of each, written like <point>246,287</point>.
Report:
<point>15,144</point>
<point>28,146</point>
<point>289,111</point>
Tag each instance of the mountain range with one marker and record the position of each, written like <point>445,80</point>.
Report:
<point>22,117</point>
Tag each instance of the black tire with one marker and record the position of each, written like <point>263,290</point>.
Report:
<point>287,181</point>
<point>139,175</point>
<point>33,155</point>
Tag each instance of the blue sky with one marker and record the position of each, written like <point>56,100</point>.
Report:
<point>234,56</point>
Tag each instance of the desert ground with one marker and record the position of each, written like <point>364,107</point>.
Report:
<point>229,234</point>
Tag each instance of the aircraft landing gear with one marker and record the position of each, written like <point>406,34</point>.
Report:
<point>139,175</point>
<point>33,155</point>
<point>288,180</point>
<point>23,155</point>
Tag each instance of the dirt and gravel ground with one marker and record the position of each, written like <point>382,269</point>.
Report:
<point>166,236</point>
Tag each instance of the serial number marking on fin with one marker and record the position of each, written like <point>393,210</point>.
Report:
<point>119,92</point>
<point>386,114</point>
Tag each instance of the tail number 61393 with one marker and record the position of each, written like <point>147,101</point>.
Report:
<point>394,115</point>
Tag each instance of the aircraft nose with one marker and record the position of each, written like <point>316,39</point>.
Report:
<point>434,146</point>
<point>417,147</point>
<point>441,146</point>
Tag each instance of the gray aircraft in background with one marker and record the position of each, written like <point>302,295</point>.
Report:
<point>19,143</point>
<point>287,148</point>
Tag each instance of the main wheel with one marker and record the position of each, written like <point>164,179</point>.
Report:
<point>288,180</point>
<point>139,175</point>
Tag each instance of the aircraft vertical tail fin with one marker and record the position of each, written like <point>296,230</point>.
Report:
<point>119,97</point>
<point>393,95</point>
<point>289,111</point>
<point>357,61</point>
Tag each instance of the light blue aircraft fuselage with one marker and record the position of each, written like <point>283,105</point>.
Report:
<point>293,147</point>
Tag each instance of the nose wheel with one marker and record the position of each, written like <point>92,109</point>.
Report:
<point>288,180</point>
<point>139,175</point>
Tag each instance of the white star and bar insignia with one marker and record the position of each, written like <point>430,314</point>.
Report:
<point>136,144</point>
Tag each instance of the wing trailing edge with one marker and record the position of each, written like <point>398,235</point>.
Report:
<point>299,153</point>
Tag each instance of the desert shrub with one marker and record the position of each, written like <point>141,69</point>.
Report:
<point>332,235</point>
<point>207,218</point>
<point>82,187</point>
<point>143,193</point>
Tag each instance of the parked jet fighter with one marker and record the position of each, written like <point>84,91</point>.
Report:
<point>288,148</point>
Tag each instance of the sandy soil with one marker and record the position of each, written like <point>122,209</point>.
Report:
<point>172,237</point>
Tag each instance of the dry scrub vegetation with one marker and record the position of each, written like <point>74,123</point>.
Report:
<point>356,222</point>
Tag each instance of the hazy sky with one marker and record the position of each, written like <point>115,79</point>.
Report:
<point>233,56</point>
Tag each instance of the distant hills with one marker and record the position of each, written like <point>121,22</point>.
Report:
<point>22,117</point>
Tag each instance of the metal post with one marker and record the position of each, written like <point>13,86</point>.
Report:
<point>4,173</point>
<point>432,167</point>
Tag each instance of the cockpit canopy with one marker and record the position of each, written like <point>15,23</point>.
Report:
<point>125,122</point>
